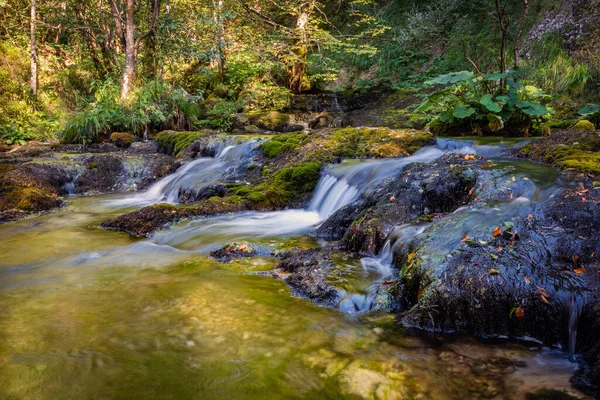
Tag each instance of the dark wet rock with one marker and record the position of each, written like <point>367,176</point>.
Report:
<point>516,274</point>
<point>549,394</point>
<point>199,148</point>
<point>148,220</point>
<point>305,271</point>
<point>12,215</point>
<point>420,189</point>
<point>233,251</point>
<point>102,174</point>
<point>207,192</point>
<point>333,101</point>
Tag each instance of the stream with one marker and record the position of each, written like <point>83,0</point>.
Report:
<point>93,314</point>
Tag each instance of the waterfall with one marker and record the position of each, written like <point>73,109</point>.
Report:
<point>344,183</point>
<point>380,269</point>
<point>197,174</point>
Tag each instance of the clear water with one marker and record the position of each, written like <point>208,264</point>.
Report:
<point>92,314</point>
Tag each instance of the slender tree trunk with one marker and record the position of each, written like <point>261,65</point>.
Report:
<point>301,48</point>
<point>33,82</point>
<point>219,36</point>
<point>130,50</point>
<point>520,34</point>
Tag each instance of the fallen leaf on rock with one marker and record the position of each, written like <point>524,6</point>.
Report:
<point>580,270</point>
<point>527,280</point>
<point>497,231</point>
<point>517,312</point>
<point>493,271</point>
<point>468,157</point>
<point>411,256</point>
<point>530,217</point>
<point>494,257</point>
<point>465,238</point>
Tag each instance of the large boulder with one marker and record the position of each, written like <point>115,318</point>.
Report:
<point>420,189</point>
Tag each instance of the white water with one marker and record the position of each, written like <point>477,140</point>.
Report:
<point>195,175</point>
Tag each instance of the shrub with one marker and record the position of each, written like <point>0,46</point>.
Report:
<point>487,103</point>
<point>155,106</point>
<point>122,139</point>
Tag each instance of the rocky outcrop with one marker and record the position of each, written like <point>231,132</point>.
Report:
<point>36,179</point>
<point>420,189</point>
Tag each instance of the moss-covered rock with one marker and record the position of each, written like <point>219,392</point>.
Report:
<point>274,121</point>
<point>172,142</point>
<point>584,126</point>
<point>31,188</point>
<point>568,149</point>
<point>122,139</point>
<point>377,142</point>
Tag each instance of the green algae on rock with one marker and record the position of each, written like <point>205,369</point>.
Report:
<point>568,149</point>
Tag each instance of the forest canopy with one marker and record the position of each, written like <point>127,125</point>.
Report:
<point>74,69</point>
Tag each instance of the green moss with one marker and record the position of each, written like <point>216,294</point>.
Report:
<point>281,143</point>
<point>580,154</point>
<point>293,183</point>
<point>584,126</point>
<point>122,139</point>
<point>174,142</point>
<point>269,120</point>
<point>377,142</point>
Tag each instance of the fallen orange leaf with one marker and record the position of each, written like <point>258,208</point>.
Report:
<point>465,238</point>
<point>580,270</point>
<point>497,232</point>
<point>519,313</point>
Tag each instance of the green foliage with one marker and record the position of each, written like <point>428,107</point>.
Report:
<point>592,112</point>
<point>489,103</point>
<point>551,67</point>
<point>220,115</point>
<point>12,135</point>
<point>23,116</point>
<point>155,106</point>
<point>264,95</point>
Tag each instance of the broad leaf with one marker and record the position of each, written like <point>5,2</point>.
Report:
<point>462,111</point>
<point>451,78</point>
<point>590,109</point>
<point>488,102</point>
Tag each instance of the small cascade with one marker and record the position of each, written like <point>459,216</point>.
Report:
<point>378,270</point>
<point>496,150</point>
<point>342,184</point>
<point>200,173</point>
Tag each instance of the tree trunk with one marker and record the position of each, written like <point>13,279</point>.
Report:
<point>219,36</point>
<point>130,51</point>
<point>33,82</point>
<point>520,34</point>
<point>301,48</point>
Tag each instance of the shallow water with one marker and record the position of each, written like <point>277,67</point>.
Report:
<point>92,314</point>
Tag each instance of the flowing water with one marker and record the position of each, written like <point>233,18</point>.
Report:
<point>92,314</point>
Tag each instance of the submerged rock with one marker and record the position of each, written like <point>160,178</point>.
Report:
<point>305,271</point>
<point>234,250</point>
